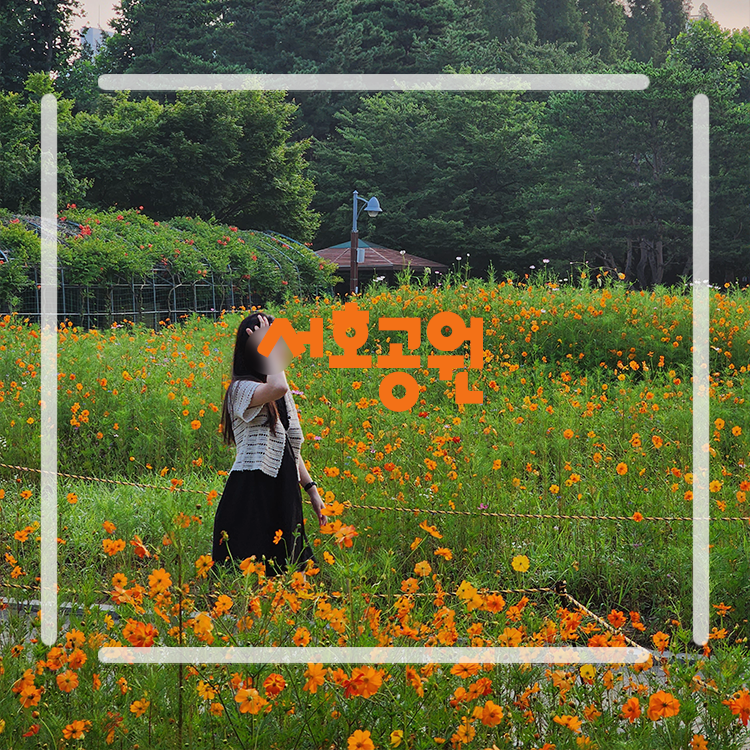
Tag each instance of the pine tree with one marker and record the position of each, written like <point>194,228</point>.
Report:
<point>510,19</point>
<point>35,37</point>
<point>675,14</point>
<point>647,35</point>
<point>559,21</point>
<point>604,24</point>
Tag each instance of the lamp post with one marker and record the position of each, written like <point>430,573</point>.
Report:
<point>373,209</point>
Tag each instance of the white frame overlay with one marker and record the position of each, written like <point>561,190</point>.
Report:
<point>377,654</point>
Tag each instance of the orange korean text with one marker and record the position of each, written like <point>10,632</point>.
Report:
<point>352,317</point>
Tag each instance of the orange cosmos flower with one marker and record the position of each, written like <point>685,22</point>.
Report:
<point>360,740</point>
<point>621,468</point>
<point>250,700</point>
<point>464,669</point>
<point>159,580</point>
<point>113,546</point>
<point>698,742</point>
<point>740,705</point>
<point>140,547</point>
<point>274,684</point>
<point>616,618</point>
<point>139,707</point>
<point>660,640</point>
<point>301,637</point>
<point>345,535</point>
<point>422,568</point>
<point>202,565</point>
<point>205,690</point>
<point>662,704</point>
<point>109,527</point>
<point>492,714</point>
<point>77,659</point>
<point>494,603</point>
<point>520,563</point>
<point>316,677</point>
<point>76,729</point>
<point>67,681</point>
<point>572,722</point>
<point>369,680</point>
<point>631,710</point>
<point>56,658</point>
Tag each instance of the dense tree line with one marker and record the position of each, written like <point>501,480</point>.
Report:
<point>507,177</point>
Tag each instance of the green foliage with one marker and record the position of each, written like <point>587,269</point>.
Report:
<point>128,245</point>
<point>19,250</point>
<point>35,36</point>
<point>508,19</point>
<point>20,117</point>
<point>226,154</point>
<point>604,24</point>
<point>675,15</point>
<point>444,166</point>
<point>647,34</point>
<point>559,21</point>
<point>703,46</point>
<point>616,178</point>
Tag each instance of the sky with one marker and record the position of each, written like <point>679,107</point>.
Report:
<point>730,14</point>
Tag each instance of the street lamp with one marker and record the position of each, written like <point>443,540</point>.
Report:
<point>373,209</point>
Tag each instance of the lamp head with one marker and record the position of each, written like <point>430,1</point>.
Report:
<point>373,207</point>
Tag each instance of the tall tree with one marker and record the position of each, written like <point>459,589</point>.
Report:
<point>559,21</point>
<point>604,25</point>
<point>227,154</point>
<point>616,184</point>
<point>647,35</point>
<point>510,19</point>
<point>444,165</point>
<point>35,36</point>
<point>675,14</point>
<point>20,122</point>
<point>166,36</point>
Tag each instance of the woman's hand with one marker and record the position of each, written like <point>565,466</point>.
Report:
<point>262,323</point>
<point>318,506</point>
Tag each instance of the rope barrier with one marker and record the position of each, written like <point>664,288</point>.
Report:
<point>559,589</point>
<point>348,504</point>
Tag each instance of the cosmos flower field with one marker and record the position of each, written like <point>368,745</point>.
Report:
<point>448,525</point>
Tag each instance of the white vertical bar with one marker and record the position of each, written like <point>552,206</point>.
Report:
<point>701,369</point>
<point>48,333</point>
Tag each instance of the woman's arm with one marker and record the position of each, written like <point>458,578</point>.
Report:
<point>315,499</point>
<point>304,475</point>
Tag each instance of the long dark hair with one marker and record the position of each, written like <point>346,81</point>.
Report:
<point>244,368</point>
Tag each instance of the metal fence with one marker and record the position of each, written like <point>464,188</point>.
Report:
<point>158,298</point>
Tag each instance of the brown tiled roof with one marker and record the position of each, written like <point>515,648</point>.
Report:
<point>377,257</point>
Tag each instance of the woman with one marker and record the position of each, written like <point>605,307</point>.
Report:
<point>262,493</point>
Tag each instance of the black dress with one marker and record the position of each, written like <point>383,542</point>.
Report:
<point>254,506</point>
